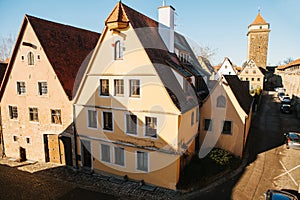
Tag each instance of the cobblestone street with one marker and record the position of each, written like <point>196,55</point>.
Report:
<point>25,180</point>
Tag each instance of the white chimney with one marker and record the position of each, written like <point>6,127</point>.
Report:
<point>166,26</point>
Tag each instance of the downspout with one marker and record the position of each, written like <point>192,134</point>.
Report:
<point>75,137</point>
<point>2,138</point>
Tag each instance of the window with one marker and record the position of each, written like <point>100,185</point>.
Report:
<point>119,87</point>
<point>207,124</point>
<point>258,79</point>
<point>30,58</point>
<point>227,127</point>
<point>92,118</point>
<point>56,117</point>
<point>104,87</point>
<point>151,127</point>
<point>13,112</point>
<point>21,88</point>
<point>15,138</point>
<point>134,88</point>
<point>197,115</point>
<point>107,121</point>
<point>28,140</point>
<point>118,50</point>
<point>221,102</point>
<point>43,88</point>
<point>119,156</point>
<point>246,71</point>
<point>252,79</point>
<point>33,115</point>
<point>241,78</point>
<point>142,161</point>
<point>247,79</point>
<point>183,57</point>
<point>105,153</point>
<point>254,71</point>
<point>192,118</point>
<point>131,124</point>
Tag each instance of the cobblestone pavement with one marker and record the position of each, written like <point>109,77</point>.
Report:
<point>35,180</point>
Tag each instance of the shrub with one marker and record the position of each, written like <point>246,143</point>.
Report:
<point>220,156</point>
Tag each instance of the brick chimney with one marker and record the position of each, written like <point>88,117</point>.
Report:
<point>166,26</point>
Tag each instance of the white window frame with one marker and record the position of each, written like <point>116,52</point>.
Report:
<point>37,112</point>
<point>132,88</point>
<point>19,88</point>
<point>148,161</point>
<point>112,116</point>
<point>118,50</point>
<point>114,156</point>
<point>42,88</point>
<point>101,153</point>
<point>117,87</point>
<point>87,118</point>
<point>11,112</point>
<point>60,116</point>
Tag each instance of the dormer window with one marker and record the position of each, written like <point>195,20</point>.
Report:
<point>183,57</point>
<point>30,58</point>
<point>118,50</point>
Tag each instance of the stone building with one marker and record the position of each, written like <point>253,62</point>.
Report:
<point>258,40</point>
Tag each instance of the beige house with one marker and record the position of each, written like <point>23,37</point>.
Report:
<point>136,109</point>
<point>3,67</point>
<point>226,116</point>
<point>253,74</point>
<point>37,92</point>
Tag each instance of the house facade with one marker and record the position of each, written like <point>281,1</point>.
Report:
<point>253,74</point>
<point>226,116</point>
<point>3,67</point>
<point>37,92</point>
<point>225,69</point>
<point>136,109</point>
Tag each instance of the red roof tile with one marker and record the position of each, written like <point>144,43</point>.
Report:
<point>66,48</point>
<point>259,20</point>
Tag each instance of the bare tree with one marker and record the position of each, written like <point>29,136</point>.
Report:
<point>6,46</point>
<point>286,61</point>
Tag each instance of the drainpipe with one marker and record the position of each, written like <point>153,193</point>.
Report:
<point>75,136</point>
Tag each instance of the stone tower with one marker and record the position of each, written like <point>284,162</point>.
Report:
<point>258,39</point>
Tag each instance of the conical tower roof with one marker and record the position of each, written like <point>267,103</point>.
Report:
<point>117,18</point>
<point>259,20</point>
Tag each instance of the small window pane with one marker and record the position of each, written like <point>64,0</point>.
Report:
<point>151,127</point>
<point>107,121</point>
<point>119,87</point>
<point>21,88</point>
<point>119,156</point>
<point>56,117</point>
<point>30,58</point>
<point>142,161</point>
<point>134,88</point>
<point>43,88</point>
<point>33,114</point>
<point>105,153</point>
<point>227,126</point>
<point>92,118</point>
<point>104,87</point>
<point>131,124</point>
<point>207,124</point>
<point>13,112</point>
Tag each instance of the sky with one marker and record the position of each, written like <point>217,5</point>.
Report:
<point>220,25</point>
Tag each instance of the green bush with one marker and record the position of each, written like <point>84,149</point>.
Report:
<point>220,156</point>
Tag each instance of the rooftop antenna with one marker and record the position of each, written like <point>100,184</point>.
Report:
<point>164,3</point>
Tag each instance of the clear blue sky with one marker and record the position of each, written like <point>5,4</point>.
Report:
<point>218,24</point>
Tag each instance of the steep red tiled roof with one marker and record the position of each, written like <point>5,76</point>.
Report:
<point>240,90</point>
<point>66,48</point>
<point>147,31</point>
<point>259,20</point>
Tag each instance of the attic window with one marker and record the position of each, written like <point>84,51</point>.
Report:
<point>118,50</point>
<point>221,102</point>
<point>183,57</point>
<point>22,58</point>
<point>30,58</point>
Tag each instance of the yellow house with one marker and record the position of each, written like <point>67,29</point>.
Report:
<point>36,94</point>
<point>226,116</point>
<point>253,74</point>
<point>136,108</point>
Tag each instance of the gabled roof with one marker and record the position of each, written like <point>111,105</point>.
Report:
<point>240,90</point>
<point>290,64</point>
<point>259,20</point>
<point>163,61</point>
<point>66,48</point>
